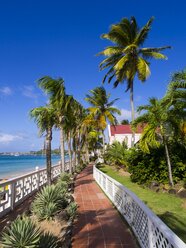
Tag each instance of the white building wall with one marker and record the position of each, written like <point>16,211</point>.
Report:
<point>124,137</point>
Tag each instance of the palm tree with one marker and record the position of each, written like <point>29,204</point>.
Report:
<point>59,100</point>
<point>175,100</point>
<point>127,58</point>
<point>102,110</point>
<point>45,119</point>
<point>70,128</point>
<point>158,123</point>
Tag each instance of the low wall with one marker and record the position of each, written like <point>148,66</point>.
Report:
<point>14,191</point>
<point>149,230</point>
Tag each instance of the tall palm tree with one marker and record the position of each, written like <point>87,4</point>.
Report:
<point>102,110</point>
<point>59,100</point>
<point>127,57</point>
<point>45,119</point>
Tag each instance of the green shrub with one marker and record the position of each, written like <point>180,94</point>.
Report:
<point>21,233</point>
<point>145,168</point>
<point>71,210</point>
<point>48,202</point>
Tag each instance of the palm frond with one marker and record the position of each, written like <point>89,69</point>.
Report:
<point>143,33</point>
<point>154,55</point>
<point>143,69</point>
<point>111,50</point>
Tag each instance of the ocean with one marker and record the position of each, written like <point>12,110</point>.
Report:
<point>12,166</point>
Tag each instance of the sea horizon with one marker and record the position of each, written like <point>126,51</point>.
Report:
<point>13,166</point>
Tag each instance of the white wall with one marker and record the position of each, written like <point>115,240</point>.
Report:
<point>124,137</point>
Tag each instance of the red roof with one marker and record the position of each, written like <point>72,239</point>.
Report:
<point>123,129</point>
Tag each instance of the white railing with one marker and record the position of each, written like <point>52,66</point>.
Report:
<point>16,190</point>
<point>149,230</point>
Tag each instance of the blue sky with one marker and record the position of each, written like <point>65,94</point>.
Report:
<point>61,38</point>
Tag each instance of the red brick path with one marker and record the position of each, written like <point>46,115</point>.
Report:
<point>98,224</point>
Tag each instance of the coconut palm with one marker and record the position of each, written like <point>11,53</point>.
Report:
<point>127,57</point>
<point>59,100</point>
<point>45,120</point>
<point>175,100</point>
<point>102,110</point>
<point>70,126</point>
<point>158,126</point>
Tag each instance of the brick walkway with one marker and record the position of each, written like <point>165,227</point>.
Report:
<point>98,224</point>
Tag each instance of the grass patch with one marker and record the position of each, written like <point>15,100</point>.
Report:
<point>168,207</point>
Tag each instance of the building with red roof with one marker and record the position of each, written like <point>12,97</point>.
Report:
<point>123,133</point>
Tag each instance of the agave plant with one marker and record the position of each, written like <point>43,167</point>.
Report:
<point>47,240</point>
<point>65,177</point>
<point>71,210</point>
<point>63,185</point>
<point>48,202</point>
<point>21,233</point>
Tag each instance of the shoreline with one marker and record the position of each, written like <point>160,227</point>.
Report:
<point>12,167</point>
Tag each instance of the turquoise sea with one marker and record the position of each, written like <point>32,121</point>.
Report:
<point>12,166</point>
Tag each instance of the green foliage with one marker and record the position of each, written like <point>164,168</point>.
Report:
<point>63,185</point>
<point>80,167</point>
<point>71,210</point>
<point>21,233</point>
<point>115,154</point>
<point>49,201</point>
<point>148,167</point>
<point>65,177</point>
<point>184,183</point>
<point>125,122</point>
<point>47,240</point>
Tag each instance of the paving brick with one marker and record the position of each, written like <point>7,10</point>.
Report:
<point>99,225</point>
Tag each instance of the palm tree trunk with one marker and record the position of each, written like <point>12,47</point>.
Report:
<point>103,135</point>
<point>62,143</point>
<point>87,153</point>
<point>74,156</point>
<point>132,109</point>
<point>48,155</point>
<point>168,162</point>
<point>70,154</point>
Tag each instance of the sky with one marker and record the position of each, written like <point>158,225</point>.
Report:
<point>61,39</point>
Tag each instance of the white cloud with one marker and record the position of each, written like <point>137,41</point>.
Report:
<point>8,138</point>
<point>6,91</point>
<point>125,115</point>
<point>28,91</point>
